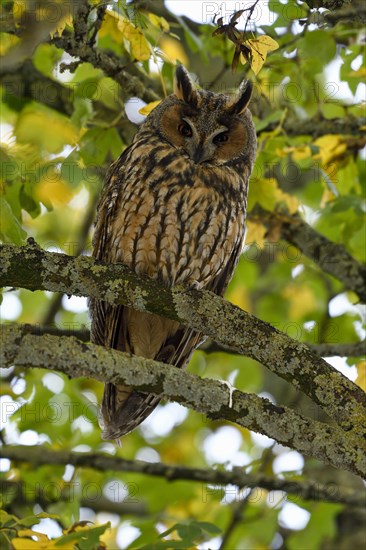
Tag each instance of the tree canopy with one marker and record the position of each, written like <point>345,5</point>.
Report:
<point>261,443</point>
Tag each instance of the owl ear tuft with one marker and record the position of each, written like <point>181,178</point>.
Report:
<point>240,103</point>
<point>184,87</point>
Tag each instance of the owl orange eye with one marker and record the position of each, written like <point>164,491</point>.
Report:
<point>221,138</point>
<point>185,130</point>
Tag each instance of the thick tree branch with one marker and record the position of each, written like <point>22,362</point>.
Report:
<point>301,489</point>
<point>213,398</point>
<point>32,268</point>
<point>331,257</point>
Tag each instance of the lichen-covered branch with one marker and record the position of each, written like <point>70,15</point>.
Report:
<point>307,490</point>
<point>332,257</point>
<point>32,268</point>
<point>211,397</point>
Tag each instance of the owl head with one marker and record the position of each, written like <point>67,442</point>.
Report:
<point>208,128</point>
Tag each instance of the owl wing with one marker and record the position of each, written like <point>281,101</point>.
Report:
<point>122,408</point>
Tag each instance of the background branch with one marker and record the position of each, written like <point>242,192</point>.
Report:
<point>316,127</point>
<point>17,493</point>
<point>331,257</point>
<point>307,490</point>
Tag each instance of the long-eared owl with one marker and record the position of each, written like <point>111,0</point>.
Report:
<point>173,207</point>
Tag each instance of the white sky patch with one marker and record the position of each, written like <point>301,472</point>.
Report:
<point>81,199</point>
<point>115,490</point>
<point>6,134</point>
<point>163,419</point>
<point>340,304</point>
<point>86,514</point>
<point>288,462</point>
<point>262,440</point>
<point>213,544</point>
<point>204,11</point>
<point>360,330</point>
<point>76,304</point>
<point>132,107</point>
<point>340,363</point>
<point>4,464</point>
<point>11,307</point>
<point>48,527</point>
<point>147,454</point>
<point>293,517</point>
<point>104,517</point>
<point>297,270</point>
<point>80,423</point>
<point>53,382</point>
<point>341,90</point>
<point>69,472</point>
<point>222,445</point>
<point>18,385</point>
<point>126,534</point>
<point>29,437</point>
<point>82,449</point>
<point>7,408</point>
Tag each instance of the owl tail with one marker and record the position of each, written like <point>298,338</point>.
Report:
<point>122,410</point>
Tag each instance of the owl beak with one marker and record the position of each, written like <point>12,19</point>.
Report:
<point>198,153</point>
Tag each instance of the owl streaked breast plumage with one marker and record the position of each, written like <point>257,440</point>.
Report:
<point>174,208</point>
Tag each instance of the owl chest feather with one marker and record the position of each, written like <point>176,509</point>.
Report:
<point>175,222</point>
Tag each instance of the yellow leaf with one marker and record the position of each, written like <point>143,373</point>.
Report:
<point>7,41</point>
<point>298,153</point>
<point>328,196</point>
<point>259,48</point>
<point>301,300</point>
<point>110,26</point>
<point>67,20</point>
<point>159,22</point>
<point>361,72</point>
<point>52,189</point>
<point>256,233</point>
<point>19,8</point>
<point>173,50</point>
<point>361,378</point>
<point>119,28</point>
<point>266,192</point>
<point>331,147</point>
<point>146,110</point>
<point>239,297</point>
<point>25,544</point>
<point>140,48</point>
<point>46,129</point>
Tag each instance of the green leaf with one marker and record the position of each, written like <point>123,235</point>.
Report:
<point>10,229</point>
<point>28,202</point>
<point>317,48</point>
<point>45,128</point>
<point>87,538</point>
